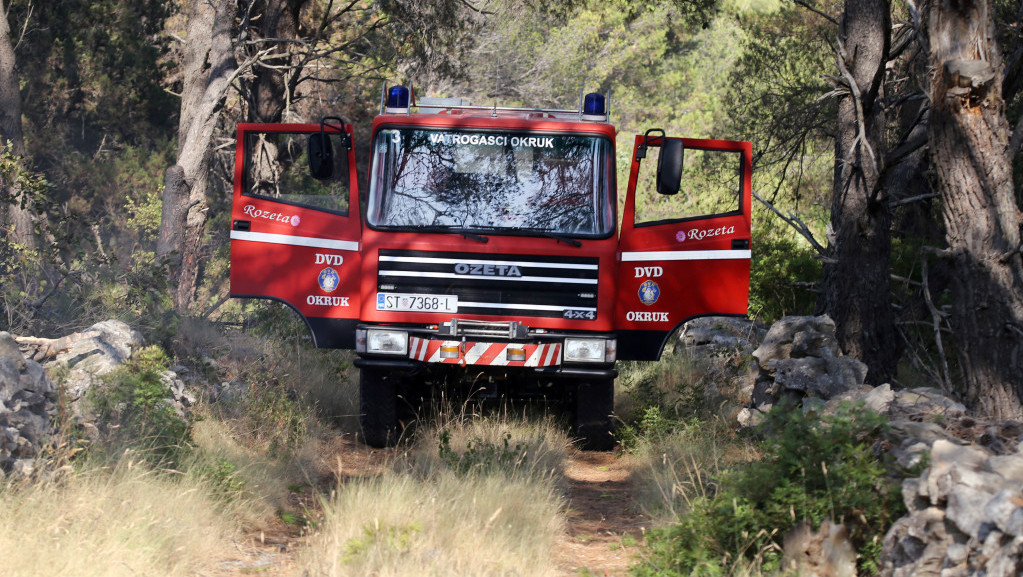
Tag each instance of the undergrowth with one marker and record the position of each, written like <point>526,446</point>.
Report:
<point>811,467</point>
<point>481,455</point>
<point>133,402</point>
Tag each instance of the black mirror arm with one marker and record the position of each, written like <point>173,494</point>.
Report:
<point>641,149</point>
<point>346,139</point>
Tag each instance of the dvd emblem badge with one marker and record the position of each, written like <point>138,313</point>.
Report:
<point>649,292</point>
<point>328,280</point>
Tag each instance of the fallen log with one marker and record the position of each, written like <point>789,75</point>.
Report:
<point>39,349</point>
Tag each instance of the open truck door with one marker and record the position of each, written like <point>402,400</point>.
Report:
<point>295,225</point>
<point>685,238</point>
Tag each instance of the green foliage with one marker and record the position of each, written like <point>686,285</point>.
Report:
<point>481,456</point>
<point>100,264</point>
<point>776,86</point>
<point>23,278</point>
<point>678,393</point>
<point>672,386</point>
<point>223,475</point>
<point>29,189</point>
<point>275,413</point>
<point>133,400</point>
<point>780,276</point>
<point>655,426</point>
<point>98,65</point>
<point>136,294</point>
<point>812,468</point>
<point>377,536</point>
<point>277,320</point>
<point>144,214</point>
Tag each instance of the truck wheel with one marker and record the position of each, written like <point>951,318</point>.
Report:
<point>594,403</point>
<point>378,405</point>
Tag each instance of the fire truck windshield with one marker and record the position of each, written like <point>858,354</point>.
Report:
<point>501,182</point>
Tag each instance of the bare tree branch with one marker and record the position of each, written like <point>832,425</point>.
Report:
<point>912,199</point>
<point>861,137</point>
<point>936,317</point>
<point>470,6</point>
<point>816,11</point>
<point>795,222</point>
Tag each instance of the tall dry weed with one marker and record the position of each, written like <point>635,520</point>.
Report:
<point>671,471</point>
<point>221,456</point>
<point>111,521</point>
<point>470,497</point>
<point>514,446</point>
<point>403,525</point>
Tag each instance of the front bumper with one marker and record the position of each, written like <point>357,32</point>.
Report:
<point>487,346</point>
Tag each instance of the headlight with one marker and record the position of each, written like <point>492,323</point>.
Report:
<point>386,342</point>
<point>590,350</point>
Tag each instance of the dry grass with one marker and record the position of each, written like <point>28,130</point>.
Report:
<point>119,520</point>
<point>676,456</point>
<point>327,380</point>
<point>262,482</point>
<point>431,517</point>
<point>672,471</point>
<point>531,447</point>
<point>398,525</point>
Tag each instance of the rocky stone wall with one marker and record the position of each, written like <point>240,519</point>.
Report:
<point>965,509</point>
<point>27,409</point>
<point>28,397</point>
<point>965,516</point>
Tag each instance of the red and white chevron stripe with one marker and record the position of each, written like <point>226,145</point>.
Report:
<point>490,354</point>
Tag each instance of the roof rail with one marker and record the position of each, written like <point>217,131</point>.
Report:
<point>433,105</point>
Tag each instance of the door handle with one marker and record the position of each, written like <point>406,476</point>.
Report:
<point>242,225</point>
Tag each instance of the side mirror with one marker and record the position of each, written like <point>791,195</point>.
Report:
<point>669,166</point>
<point>321,156</point>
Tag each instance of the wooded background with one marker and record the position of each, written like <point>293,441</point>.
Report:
<point>886,138</point>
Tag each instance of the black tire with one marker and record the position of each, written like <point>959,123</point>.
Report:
<point>594,422</point>
<point>378,407</point>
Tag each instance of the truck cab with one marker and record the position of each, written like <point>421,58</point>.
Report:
<point>489,255</point>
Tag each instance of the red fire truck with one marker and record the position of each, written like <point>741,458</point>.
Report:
<point>488,252</point>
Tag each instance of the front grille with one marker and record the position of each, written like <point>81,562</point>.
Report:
<point>501,284</point>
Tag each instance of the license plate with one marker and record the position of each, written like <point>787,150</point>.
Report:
<point>417,303</point>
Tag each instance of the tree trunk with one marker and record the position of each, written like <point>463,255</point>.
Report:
<point>856,281</point>
<point>209,67</point>
<point>19,215</point>
<point>272,89</point>
<point>969,137</point>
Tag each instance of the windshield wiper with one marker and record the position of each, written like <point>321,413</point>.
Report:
<point>567,239</point>
<point>473,236</point>
<point>563,238</point>
<point>445,230</point>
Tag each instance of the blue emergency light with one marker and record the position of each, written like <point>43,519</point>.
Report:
<point>593,107</point>
<point>397,99</point>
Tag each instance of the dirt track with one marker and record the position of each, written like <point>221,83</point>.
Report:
<point>604,525</point>
<point>603,522</point>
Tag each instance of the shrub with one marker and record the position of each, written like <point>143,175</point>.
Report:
<point>134,401</point>
<point>812,469</point>
<point>782,272</point>
<point>399,525</point>
<point>481,455</point>
<point>275,413</point>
